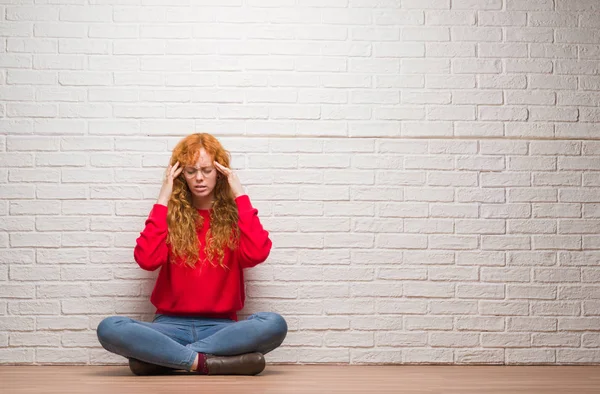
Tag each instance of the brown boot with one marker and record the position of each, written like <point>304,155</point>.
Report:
<point>142,368</point>
<point>244,364</point>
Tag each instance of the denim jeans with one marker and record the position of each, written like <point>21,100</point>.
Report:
<point>174,341</point>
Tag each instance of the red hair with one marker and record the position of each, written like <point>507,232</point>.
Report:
<point>183,219</point>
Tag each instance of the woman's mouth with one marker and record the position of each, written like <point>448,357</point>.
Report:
<point>200,188</point>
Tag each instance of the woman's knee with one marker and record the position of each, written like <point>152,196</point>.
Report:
<point>276,325</point>
<point>107,330</point>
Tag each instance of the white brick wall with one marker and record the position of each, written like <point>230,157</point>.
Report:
<point>429,170</point>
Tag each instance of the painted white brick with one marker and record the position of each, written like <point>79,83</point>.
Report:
<point>400,339</point>
<point>469,323</point>
<point>423,323</point>
<point>486,18</point>
<point>443,18</point>
<point>31,45</point>
<point>505,340</point>
<point>531,163</point>
<point>501,50</point>
<point>31,110</point>
<point>451,179</point>
<point>532,98</point>
<point>33,307</point>
<point>450,82</point>
<point>529,324</point>
<point>476,34</point>
<point>557,210</point>
<point>34,207</point>
<point>17,355</point>
<point>480,195</point>
<point>468,66</point>
<point>532,356</point>
<point>428,226</point>
<point>400,241</point>
<point>477,97</point>
<point>478,129</point>
<point>427,4</point>
<point>557,242</point>
<point>453,307</point>
<point>450,49</point>
<point>505,179</point>
<point>456,242</point>
<point>502,81</point>
<point>477,4</point>
<point>505,242</point>
<point>529,34</point>
<point>554,51</point>
<point>530,292</point>
<point>428,356</point>
<point>532,226</point>
<point>532,195</point>
<point>432,34</point>
<point>454,112</point>
<point>480,163</point>
<point>60,192</point>
<point>556,115</point>
<point>475,356</point>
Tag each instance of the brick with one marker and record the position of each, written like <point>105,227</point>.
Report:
<point>526,226</point>
<point>529,292</point>
<point>505,211</point>
<point>557,210</point>
<point>486,18</point>
<point>477,4</point>
<point>16,356</point>
<point>468,323</point>
<point>557,242</point>
<point>428,356</point>
<point>478,129</point>
<point>553,51</point>
<point>502,50</point>
<point>505,340</point>
<point>424,323</point>
<point>485,34</point>
<point>530,356</point>
<point>475,356</point>
<point>450,49</point>
<point>452,307</point>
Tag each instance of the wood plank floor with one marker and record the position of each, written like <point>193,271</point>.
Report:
<point>282,379</point>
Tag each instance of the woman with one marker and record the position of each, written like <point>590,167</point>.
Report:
<point>202,232</point>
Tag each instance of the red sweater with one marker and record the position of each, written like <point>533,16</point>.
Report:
<point>205,290</point>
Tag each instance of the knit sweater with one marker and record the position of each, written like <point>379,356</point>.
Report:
<point>206,290</point>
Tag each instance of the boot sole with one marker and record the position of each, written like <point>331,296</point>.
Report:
<point>244,364</point>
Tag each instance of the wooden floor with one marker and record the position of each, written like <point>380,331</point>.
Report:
<point>308,379</point>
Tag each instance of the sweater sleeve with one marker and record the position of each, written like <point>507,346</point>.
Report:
<point>151,249</point>
<point>255,244</point>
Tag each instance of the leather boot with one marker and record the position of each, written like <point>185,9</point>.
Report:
<point>142,368</point>
<point>244,364</point>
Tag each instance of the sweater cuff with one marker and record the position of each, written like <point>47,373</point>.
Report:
<point>158,211</point>
<point>243,203</point>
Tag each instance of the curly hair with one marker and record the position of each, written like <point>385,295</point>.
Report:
<point>183,219</point>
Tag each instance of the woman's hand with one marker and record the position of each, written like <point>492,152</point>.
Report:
<point>167,186</point>
<point>232,178</point>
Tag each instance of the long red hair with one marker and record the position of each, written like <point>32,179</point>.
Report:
<point>183,219</point>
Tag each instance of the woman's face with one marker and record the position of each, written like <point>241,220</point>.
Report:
<point>201,177</point>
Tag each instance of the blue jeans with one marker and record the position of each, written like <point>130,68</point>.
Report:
<point>174,341</point>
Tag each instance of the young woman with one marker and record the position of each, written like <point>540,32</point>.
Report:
<point>202,233</point>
